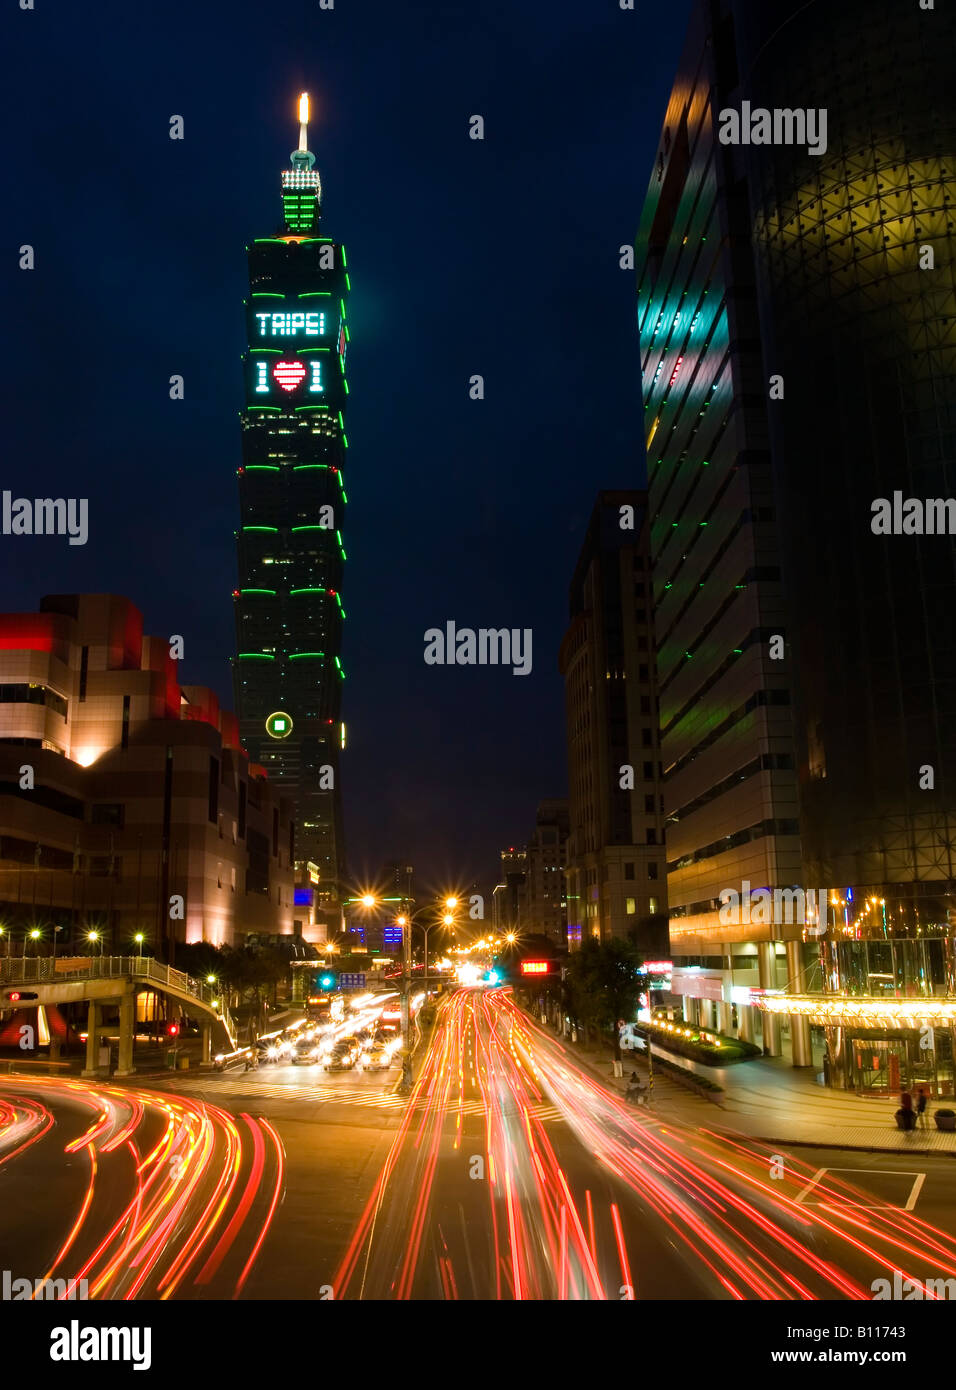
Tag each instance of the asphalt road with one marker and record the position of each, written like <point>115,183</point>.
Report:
<point>511,1174</point>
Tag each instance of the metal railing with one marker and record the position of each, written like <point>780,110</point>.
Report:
<point>48,970</point>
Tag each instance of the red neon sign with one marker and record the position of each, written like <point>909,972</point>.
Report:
<point>288,374</point>
<point>534,967</point>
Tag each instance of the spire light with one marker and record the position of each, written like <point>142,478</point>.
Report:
<point>304,121</point>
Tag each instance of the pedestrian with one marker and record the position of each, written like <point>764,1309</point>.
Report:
<point>906,1112</point>
<point>922,1100</point>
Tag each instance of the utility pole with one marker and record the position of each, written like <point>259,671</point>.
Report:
<point>406,992</point>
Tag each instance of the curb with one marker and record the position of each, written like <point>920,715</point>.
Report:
<point>847,1148</point>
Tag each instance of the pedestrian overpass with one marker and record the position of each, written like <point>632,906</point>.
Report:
<point>114,980</point>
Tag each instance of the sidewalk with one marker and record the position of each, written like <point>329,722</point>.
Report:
<point>767,1099</point>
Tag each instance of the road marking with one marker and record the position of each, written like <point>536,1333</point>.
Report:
<point>917,1187</point>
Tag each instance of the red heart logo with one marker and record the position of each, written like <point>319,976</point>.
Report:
<point>289,374</point>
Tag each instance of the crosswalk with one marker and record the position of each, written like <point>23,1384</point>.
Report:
<point>213,1087</point>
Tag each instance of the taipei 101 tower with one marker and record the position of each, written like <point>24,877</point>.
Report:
<point>292,495</point>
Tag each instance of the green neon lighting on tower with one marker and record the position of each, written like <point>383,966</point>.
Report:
<point>345,439</point>
<point>301,467</point>
<point>267,294</point>
<point>316,294</point>
<point>311,528</point>
<point>338,667</point>
<point>348,283</point>
<point>342,308</point>
<point>307,591</point>
<point>344,257</point>
<point>298,656</point>
<point>338,536</point>
<point>341,421</point>
<point>258,591</point>
<point>260,528</point>
<point>346,385</point>
<point>255,656</point>
<point>263,468</point>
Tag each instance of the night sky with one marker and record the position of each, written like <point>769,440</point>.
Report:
<point>499,258</point>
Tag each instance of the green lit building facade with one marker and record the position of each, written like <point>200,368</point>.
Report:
<point>289,610</point>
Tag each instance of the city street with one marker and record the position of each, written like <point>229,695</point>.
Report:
<point>511,1174</point>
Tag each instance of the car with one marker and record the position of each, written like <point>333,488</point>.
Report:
<point>342,1056</point>
<point>378,1058</point>
<point>305,1051</point>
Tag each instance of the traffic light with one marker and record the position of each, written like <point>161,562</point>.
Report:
<point>172,1029</point>
<point>17,995</point>
<point>327,980</point>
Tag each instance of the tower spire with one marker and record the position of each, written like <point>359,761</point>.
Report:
<point>303,158</point>
<point>304,121</point>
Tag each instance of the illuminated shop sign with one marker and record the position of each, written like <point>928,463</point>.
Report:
<point>534,967</point>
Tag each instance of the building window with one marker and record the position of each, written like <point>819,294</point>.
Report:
<point>649,804</point>
<point>219,873</point>
<point>108,813</point>
<point>630,906</point>
<point>214,793</point>
<point>628,870</point>
<point>652,837</point>
<point>648,772</point>
<point>125,736</point>
<point>645,738</point>
<point>652,906</point>
<point>652,871</point>
<point>84,668</point>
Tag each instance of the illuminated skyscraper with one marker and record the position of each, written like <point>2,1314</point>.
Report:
<point>289,614</point>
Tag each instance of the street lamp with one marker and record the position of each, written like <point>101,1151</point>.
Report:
<point>93,937</point>
<point>139,939</point>
<point>34,935</point>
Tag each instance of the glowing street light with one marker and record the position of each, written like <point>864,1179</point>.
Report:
<point>368,900</point>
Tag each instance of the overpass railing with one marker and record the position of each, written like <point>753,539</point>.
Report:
<point>49,970</point>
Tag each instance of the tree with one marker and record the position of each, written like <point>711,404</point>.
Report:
<point>602,985</point>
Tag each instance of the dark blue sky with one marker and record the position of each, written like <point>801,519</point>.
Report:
<point>497,258</point>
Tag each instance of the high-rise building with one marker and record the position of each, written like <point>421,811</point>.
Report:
<point>615,855</point>
<point>546,907</point>
<point>289,609</point>
<point>127,807</point>
<point>509,899</point>
<point>798,341</point>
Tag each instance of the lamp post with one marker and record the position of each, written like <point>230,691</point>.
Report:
<point>139,938</point>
